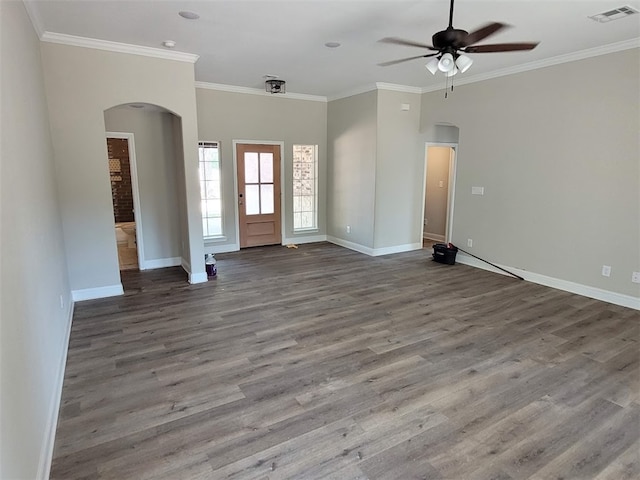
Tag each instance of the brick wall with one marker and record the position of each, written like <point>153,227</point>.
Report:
<point>120,173</point>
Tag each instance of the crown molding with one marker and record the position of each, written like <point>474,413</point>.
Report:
<point>370,87</point>
<point>107,45</point>
<point>34,16</point>
<point>547,62</point>
<point>257,91</point>
<point>397,88</point>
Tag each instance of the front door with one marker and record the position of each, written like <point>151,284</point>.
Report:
<point>259,194</point>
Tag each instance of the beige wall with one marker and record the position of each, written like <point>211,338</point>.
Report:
<point>33,271</point>
<point>81,84</point>
<point>352,147</point>
<point>436,196</point>
<point>399,162</point>
<point>155,149</point>
<point>227,116</point>
<point>557,152</point>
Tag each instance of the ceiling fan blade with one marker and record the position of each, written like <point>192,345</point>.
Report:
<point>482,33</point>
<point>393,62</point>
<point>500,47</point>
<point>409,43</point>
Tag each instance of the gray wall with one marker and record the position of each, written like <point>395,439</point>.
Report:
<point>81,83</point>
<point>400,162</point>
<point>33,272</point>
<point>436,197</point>
<point>558,154</point>
<point>352,147</point>
<point>155,148</point>
<point>227,116</point>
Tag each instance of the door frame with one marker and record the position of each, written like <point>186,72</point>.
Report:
<point>137,212</point>
<point>451,187</point>
<point>235,184</point>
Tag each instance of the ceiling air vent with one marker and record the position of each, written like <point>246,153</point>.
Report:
<point>615,14</point>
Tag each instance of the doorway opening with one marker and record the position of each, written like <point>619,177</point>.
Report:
<point>258,185</point>
<point>439,186</point>
<point>124,196</point>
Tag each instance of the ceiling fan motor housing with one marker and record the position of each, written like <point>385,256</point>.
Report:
<point>451,37</point>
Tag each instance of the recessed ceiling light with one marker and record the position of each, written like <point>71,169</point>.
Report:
<point>169,43</point>
<point>332,44</point>
<point>189,15</point>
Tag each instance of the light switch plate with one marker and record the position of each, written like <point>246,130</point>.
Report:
<point>477,190</point>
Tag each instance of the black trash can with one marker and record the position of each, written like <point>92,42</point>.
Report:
<point>443,253</point>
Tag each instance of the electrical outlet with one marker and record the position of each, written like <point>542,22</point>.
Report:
<point>348,228</point>
<point>469,242</point>
<point>635,277</point>
<point>606,271</point>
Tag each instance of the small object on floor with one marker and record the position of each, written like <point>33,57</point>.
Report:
<point>273,466</point>
<point>292,245</point>
<point>443,253</point>
<point>359,455</point>
<point>210,265</point>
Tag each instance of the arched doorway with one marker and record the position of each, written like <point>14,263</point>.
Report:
<point>148,191</point>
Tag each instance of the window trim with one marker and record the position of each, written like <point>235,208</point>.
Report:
<point>221,237</point>
<point>315,228</point>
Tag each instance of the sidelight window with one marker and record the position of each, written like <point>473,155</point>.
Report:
<point>210,189</point>
<point>305,187</point>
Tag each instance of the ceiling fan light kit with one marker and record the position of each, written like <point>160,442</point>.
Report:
<point>451,45</point>
<point>432,65</point>
<point>463,63</point>
<point>446,63</point>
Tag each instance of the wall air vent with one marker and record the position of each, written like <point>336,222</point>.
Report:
<point>615,14</point>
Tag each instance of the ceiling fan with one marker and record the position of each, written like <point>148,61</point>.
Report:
<point>451,44</point>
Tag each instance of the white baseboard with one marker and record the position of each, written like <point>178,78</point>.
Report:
<point>350,245</point>
<point>374,252</point>
<point>572,287</point>
<point>46,453</point>
<point>198,277</point>
<point>433,236</point>
<point>304,239</point>
<point>98,292</point>
<point>186,266</point>
<point>396,249</point>
<point>162,263</point>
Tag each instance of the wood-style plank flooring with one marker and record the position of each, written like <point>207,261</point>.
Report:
<point>323,363</point>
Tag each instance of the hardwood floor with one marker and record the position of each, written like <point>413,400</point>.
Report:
<point>323,363</point>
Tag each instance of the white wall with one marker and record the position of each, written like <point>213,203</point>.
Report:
<point>436,197</point>
<point>81,83</point>
<point>227,116</point>
<point>33,274</point>
<point>157,177</point>
<point>352,150</point>
<point>399,163</point>
<point>558,154</point>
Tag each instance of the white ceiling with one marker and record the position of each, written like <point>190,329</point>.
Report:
<point>239,41</point>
